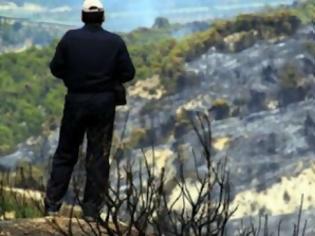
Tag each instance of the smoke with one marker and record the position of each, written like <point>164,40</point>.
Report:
<point>136,13</point>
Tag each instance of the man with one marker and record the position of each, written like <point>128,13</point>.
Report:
<point>92,63</point>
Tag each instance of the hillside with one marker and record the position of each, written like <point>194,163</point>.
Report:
<point>160,54</point>
<point>167,60</point>
<point>254,75</point>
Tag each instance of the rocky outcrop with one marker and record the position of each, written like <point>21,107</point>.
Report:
<point>288,221</point>
<point>160,23</point>
<point>309,130</point>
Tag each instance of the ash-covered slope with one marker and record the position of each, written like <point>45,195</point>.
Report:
<point>263,102</point>
<point>272,129</point>
<point>248,81</point>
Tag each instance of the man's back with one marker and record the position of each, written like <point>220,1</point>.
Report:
<point>93,63</point>
<point>91,59</point>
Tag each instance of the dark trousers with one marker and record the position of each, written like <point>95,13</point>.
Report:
<point>93,115</point>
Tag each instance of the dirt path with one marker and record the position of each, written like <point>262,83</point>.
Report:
<point>53,226</point>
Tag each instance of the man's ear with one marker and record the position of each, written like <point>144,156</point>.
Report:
<point>82,16</point>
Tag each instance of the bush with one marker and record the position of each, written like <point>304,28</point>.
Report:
<point>220,109</point>
<point>21,208</point>
<point>310,47</point>
<point>6,139</point>
<point>136,137</point>
<point>289,76</point>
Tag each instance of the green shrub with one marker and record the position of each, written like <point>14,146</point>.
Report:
<point>310,47</point>
<point>6,139</point>
<point>22,207</point>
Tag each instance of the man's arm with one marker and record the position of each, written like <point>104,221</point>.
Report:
<point>125,70</point>
<point>58,63</point>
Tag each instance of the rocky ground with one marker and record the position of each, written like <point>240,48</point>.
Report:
<point>51,226</point>
<point>40,227</point>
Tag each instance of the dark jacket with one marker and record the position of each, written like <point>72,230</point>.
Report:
<point>92,60</point>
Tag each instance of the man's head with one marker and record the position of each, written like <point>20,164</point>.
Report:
<point>93,12</point>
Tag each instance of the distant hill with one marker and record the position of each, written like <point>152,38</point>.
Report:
<point>132,14</point>
<point>129,3</point>
<point>16,33</point>
<point>157,56</point>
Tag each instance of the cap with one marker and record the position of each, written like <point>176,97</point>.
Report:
<point>92,6</point>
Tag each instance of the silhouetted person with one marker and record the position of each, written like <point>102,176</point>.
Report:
<point>93,63</point>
